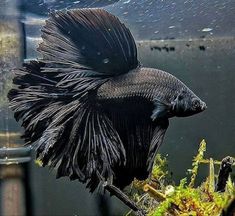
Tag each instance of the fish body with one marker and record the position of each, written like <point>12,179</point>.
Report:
<point>144,98</point>
<point>155,87</point>
<point>88,106</point>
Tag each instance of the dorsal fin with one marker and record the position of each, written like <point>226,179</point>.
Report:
<point>89,38</point>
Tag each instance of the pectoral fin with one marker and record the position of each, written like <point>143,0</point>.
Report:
<point>160,111</point>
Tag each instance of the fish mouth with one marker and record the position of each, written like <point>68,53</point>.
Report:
<point>203,106</point>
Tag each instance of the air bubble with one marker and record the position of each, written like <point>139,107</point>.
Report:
<point>207,29</point>
<point>105,61</point>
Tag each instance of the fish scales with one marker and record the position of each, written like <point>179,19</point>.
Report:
<point>143,82</point>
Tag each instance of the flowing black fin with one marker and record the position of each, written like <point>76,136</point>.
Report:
<point>136,129</point>
<point>65,125</point>
<point>157,139</point>
<point>32,92</point>
<point>55,98</point>
<point>141,140</point>
<point>89,38</point>
<point>82,142</point>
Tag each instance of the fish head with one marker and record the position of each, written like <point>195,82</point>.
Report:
<point>186,103</point>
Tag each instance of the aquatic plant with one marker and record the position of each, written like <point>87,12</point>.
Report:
<point>10,57</point>
<point>158,196</point>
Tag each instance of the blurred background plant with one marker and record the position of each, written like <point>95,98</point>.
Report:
<point>159,195</point>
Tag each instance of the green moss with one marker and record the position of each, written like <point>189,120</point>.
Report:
<point>10,57</point>
<point>159,170</point>
<point>196,162</point>
<point>184,199</point>
<point>3,98</point>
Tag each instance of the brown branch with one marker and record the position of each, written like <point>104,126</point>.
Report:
<point>124,198</point>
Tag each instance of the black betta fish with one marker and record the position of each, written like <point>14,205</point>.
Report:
<point>88,107</point>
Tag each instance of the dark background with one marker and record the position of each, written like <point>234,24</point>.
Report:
<point>194,40</point>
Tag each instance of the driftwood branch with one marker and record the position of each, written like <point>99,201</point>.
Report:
<point>124,198</point>
<point>230,211</point>
<point>225,169</point>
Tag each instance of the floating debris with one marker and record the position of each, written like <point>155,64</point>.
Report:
<point>126,2</point>
<point>105,61</point>
<point>203,48</point>
<point>207,29</point>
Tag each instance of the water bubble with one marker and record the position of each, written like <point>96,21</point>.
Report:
<point>207,29</point>
<point>126,2</point>
<point>106,60</point>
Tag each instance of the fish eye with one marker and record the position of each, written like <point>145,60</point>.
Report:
<point>196,104</point>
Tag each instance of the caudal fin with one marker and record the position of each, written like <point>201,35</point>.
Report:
<point>55,97</point>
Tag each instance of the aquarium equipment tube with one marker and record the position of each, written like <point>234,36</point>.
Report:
<point>12,155</point>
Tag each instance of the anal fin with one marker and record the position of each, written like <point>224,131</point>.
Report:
<point>157,139</point>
